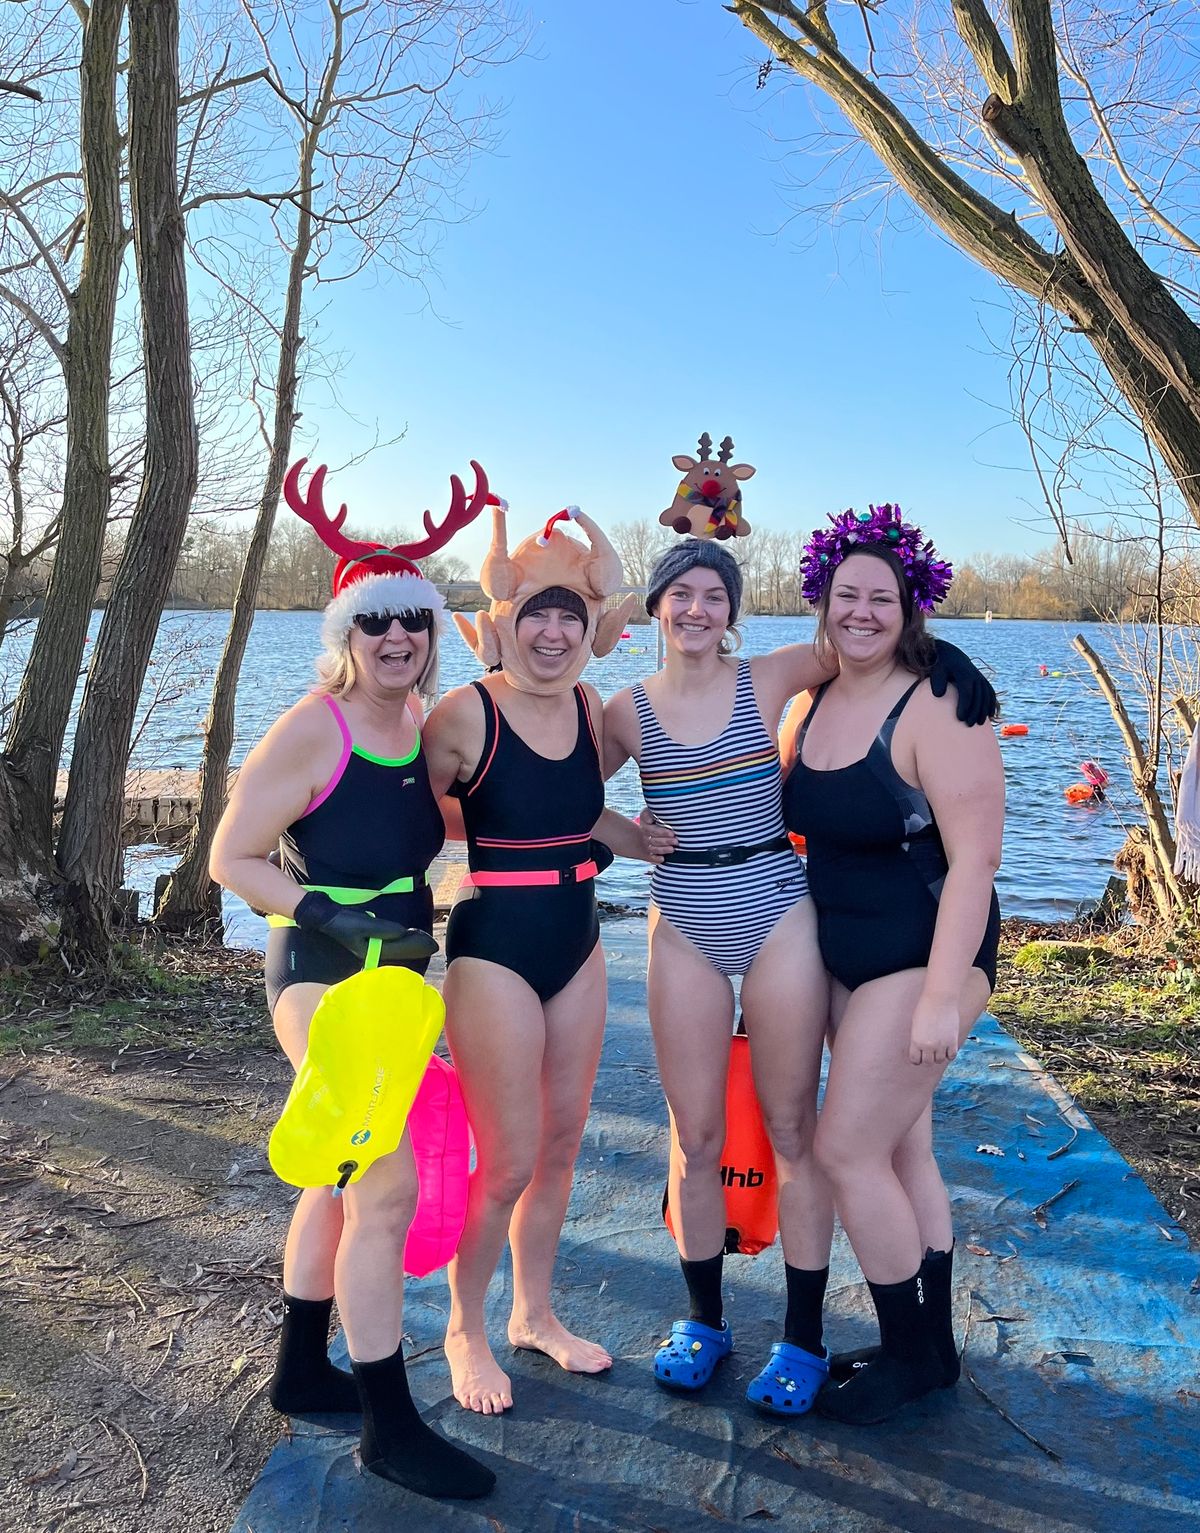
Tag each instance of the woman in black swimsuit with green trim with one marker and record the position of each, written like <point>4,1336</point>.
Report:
<point>340,786</point>
<point>902,807</point>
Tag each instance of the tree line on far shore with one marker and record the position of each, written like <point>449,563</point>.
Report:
<point>1109,577</point>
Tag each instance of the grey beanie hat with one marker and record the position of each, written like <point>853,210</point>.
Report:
<point>691,554</point>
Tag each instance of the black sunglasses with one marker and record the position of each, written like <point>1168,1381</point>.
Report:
<point>376,624</point>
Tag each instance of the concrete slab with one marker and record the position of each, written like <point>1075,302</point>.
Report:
<point>1078,1410</point>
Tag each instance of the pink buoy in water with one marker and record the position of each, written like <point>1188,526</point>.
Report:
<point>1094,773</point>
<point>441,1141</point>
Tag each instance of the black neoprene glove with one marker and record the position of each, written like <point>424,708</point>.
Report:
<point>976,695</point>
<point>355,928</point>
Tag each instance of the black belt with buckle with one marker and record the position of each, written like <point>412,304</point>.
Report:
<point>726,856</point>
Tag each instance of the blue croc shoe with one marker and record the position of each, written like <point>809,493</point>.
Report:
<point>690,1353</point>
<point>788,1385</point>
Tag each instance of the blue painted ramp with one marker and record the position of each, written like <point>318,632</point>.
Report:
<point>1083,1342</point>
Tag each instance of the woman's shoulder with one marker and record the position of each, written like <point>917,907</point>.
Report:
<point>309,730</point>
<point>459,702</point>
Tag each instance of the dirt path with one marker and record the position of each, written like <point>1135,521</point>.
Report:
<point>141,1227</point>
<point>140,1231</point>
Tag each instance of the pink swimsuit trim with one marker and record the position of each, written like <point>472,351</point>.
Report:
<point>347,749</point>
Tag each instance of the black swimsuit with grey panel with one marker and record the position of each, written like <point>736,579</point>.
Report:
<point>876,863</point>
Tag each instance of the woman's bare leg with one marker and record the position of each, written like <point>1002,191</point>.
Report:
<point>369,1273</point>
<point>574,1033</point>
<point>785,1003</point>
<point>873,1100</point>
<point>691,1017</point>
<point>497,1035</point>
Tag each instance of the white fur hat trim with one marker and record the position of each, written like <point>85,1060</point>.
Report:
<point>378,593</point>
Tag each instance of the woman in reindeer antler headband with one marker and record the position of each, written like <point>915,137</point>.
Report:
<point>731,899</point>
<point>341,787</point>
<point>525,983</point>
<point>903,811</point>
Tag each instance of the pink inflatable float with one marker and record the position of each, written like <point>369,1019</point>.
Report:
<point>441,1141</point>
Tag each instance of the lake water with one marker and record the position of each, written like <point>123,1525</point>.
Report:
<point>1056,855</point>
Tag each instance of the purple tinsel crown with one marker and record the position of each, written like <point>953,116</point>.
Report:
<point>928,576</point>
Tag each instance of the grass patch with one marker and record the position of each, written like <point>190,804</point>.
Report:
<point>1117,1029</point>
<point>1041,957</point>
<point>173,996</point>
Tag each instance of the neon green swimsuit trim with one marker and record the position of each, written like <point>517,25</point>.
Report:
<point>390,761</point>
<point>353,896</point>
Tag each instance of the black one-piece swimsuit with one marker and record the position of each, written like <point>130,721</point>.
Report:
<point>876,863</point>
<point>523,813</point>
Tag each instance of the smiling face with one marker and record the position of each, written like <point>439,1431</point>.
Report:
<point>694,611</point>
<point>394,661</point>
<point>864,611</point>
<point>548,642</point>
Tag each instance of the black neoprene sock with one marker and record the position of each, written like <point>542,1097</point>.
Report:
<point>398,1446</point>
<point>703,1281</point>
<point>908,1365</point>
<point>805,1300</point>
<point>305,1381</point>
<point>937,1270</point>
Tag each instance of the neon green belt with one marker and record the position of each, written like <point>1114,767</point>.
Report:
<point>357,897</point>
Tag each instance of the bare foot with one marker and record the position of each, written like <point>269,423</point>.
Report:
<point>480,1384</point>
<point>550,1336</point>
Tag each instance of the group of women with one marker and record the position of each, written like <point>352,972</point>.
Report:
<point>886,944</point>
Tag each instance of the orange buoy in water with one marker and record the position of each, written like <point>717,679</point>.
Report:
<point>1008,730</point>
<point>1078,792</point>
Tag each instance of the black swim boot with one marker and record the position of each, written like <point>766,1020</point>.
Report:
<point>908,1365</point>
<point>703,1279</point>
<point>937,1270</point>
<point>398,1446</point>
<point>305,1381</point>
<point>805,1301</point>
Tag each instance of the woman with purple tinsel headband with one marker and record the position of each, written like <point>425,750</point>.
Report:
<point>730,899</point>
<point>903,811</point>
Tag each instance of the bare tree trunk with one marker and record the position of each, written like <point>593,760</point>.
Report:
<point>43,705</point>
<point>90,843</point>
<point>190,897</point>
<point>1155,842</point>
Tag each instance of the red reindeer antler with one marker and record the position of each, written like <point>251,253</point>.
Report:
<point>311,508</point>
<point>460,513</point>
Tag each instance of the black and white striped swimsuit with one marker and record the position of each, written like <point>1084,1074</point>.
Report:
<point>725,793</point>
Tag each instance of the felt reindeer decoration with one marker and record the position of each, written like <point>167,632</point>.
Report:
<point>592,571</point>
<point>708,502</point>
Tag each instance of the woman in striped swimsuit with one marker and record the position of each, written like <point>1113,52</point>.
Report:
<point>731,898</point>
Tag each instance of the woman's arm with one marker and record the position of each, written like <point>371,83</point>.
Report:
<point>620,732</point>
<point>789,731</point>
<point>278,780</point>
<point>625,838</point>
<point>453,737</point>
<point>784,672</point>
<point>961,773</point>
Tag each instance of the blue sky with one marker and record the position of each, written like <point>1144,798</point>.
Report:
<point>635,275</point>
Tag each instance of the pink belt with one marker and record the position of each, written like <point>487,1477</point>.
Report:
<point>541,876</point>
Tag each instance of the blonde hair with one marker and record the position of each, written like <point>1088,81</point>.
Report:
<point>336,675</point>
